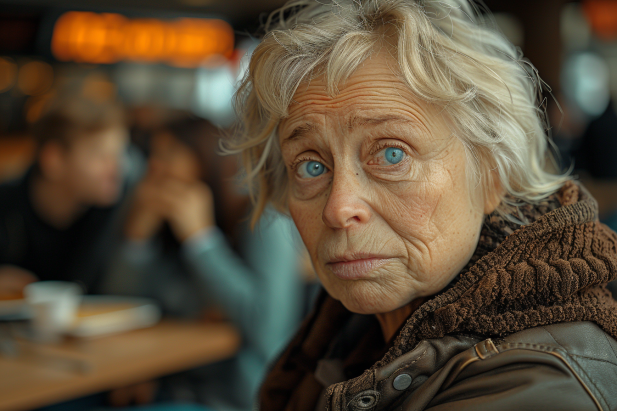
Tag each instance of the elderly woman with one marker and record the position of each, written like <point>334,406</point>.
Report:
<point>404,138</point>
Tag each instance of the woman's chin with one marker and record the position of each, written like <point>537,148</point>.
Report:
<point>363,299</point>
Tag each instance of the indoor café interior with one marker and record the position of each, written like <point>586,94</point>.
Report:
<point>155,256</point>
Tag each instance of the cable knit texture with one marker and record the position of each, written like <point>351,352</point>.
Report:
<point>551,270</point>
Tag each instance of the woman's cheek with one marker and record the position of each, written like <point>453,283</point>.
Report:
<point>307,219</point>
<point>309,189</point>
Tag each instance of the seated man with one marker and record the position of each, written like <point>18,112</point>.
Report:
<point>56,222</point>
<point>188,245</point>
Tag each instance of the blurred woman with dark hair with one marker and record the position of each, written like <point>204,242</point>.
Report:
<point>188,245</point>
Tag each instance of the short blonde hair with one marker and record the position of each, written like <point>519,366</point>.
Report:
<point>448,54</point>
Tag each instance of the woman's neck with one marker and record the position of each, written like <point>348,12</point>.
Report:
<point>391,321</point>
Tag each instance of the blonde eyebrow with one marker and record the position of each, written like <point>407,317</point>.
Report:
<point>300,131</point>
<point>356,121</point>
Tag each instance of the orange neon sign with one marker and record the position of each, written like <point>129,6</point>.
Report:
<point>105,38</point>
<point>602,16</point>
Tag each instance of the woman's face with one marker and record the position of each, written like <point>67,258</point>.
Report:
<point>171,159</point>
<point>378,190</point>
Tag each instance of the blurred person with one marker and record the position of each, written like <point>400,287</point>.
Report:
<point>56,221</point>
<point>189,246</point>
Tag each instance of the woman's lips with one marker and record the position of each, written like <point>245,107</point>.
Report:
<point>356,269</point>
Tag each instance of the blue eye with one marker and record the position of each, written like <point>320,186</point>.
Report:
<point>394,155</point>
<point>310,169</point>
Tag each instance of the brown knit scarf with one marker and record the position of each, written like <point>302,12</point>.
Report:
<point>552,270</point>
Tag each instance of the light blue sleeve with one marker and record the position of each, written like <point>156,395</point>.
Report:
<point>260,291</point>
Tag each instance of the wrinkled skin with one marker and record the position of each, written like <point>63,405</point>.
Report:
<point>380,235</point>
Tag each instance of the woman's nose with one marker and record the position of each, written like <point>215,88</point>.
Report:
<point>346,206</point>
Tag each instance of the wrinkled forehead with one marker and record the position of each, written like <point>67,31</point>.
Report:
<point>374,93</point>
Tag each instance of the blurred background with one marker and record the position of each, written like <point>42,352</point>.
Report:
<point>151,82</point>
<point>161,56</point>
<point>154,56</point>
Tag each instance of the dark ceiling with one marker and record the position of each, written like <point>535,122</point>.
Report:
<point>242,14</point>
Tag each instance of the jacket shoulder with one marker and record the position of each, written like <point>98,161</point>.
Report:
<point>585,348</point>
<point>581,339</point>
<point>570,366</point>
<point>558,367</point>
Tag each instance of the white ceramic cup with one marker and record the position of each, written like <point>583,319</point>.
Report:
<point>53,305</point>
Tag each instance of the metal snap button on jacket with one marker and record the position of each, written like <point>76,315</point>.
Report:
<point>365,400</point>
<point>402,382</point>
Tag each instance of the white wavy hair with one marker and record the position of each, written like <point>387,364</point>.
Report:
<point>448,53</point>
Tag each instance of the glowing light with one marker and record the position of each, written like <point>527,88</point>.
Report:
<point>35,77</point>
<point>585,79</point>
<point>602,16</point>
<point>108,38</point>
<point>8,74</point>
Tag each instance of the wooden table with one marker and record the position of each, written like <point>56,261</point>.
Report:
<point>45,374</point>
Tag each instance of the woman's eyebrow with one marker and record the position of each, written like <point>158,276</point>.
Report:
<point>299,132</point>
<point>356,121</point>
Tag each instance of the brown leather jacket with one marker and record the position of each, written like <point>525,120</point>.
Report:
<point>528,325</point>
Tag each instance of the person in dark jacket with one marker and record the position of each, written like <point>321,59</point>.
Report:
<point>57,221</point>
<point>459,272</point>
<point>187,245</point>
